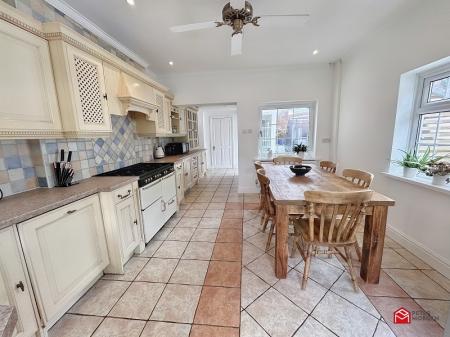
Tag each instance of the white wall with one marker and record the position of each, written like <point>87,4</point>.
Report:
<point>370,84</point>
<point>252,88</point>
<point>205,112</point>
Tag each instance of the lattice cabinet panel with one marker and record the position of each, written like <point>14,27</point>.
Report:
<point>89,90</point>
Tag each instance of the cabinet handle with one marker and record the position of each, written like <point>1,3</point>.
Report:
<point>20,286</point>
<point>135,222</point>
<point>171,202</point>
<point>163,203</point>
<point>124,196</point>
<point>71,211</point>
<point>105,96</point>
<point>186,174</point>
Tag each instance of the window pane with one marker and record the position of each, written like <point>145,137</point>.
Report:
<point>439,90</point>
<point>434,133</point>
<point>282,128</point>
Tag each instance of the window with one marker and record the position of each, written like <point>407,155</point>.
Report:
<point>433,113</point>
<point>284,125</point>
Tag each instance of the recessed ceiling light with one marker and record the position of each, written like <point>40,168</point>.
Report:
<point>131,2</point>
<point>171,63</point>
<point>315,52</point>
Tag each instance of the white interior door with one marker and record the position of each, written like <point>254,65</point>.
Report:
<point>221,142</point>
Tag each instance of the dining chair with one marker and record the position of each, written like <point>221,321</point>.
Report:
<point>363,179</point>
<point>328,166</point>
<point>269,205</point>
<point>258,165</point>
<point>331,221</point>
<point>287,160</point>
<point>357,177</point>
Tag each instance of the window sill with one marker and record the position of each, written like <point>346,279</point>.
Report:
<point>418,181</point>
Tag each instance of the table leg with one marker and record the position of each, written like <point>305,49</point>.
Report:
<point>373,244</point>
<point>281,247</point>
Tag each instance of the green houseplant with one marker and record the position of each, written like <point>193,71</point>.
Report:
<point>412,162</point>
<point>300,149</point>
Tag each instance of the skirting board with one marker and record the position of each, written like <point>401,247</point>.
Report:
<point>439,263</point>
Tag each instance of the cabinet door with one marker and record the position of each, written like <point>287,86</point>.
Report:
<point>160,118</point>
<point>168,114</point>
<point>66,252</point>
<point>187,174</point>
<point>28,100</point>
<point>182,114</point>
<point>179,181</point>
<point>203,164</point>
<point>112,87</point>
<point>128,226</point>
<point>89,91</point>
<point>15,287</point>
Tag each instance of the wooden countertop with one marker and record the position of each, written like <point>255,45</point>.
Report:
<point>8,320</point>
<point>173,159</point>
<point>24,206</point>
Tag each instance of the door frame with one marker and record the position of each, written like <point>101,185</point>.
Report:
<point>221,116</point>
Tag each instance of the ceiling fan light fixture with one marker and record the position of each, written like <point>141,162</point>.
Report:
<point>171,63</point>
<point>315,52</point>
<point>131,2</point>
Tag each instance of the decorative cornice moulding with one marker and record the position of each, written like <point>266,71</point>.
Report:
<point>65,8</point>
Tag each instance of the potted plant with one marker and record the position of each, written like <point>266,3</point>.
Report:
<point>412,163</point>
<point>300,149</point>
<point>440,171</point>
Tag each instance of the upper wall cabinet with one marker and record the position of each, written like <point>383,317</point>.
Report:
<point>28,103</point>
<point>113,80</point>
<point>81,91</point>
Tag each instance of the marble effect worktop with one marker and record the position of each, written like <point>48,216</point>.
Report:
<point>8,320</point>
<point>24,206</point>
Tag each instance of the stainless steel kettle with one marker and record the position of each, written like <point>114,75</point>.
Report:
<point>159,152</point>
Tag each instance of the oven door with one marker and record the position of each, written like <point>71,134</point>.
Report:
<point>150,193</point>
<point>154,218</point>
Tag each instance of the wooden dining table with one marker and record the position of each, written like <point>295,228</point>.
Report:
<point>288,193</point>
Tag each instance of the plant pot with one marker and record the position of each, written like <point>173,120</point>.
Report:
<point>409,172</point>
<point>301,155</point>
<point>439,180</point>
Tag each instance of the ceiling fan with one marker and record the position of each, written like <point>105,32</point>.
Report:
<point>236,14</point>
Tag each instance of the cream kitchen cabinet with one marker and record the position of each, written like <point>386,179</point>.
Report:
<point>162,115</point>
<point>202,164</point>
<point>187,174</point>
<point>28,102</point>
<point>113,82</point>
<point>194,169</point>
<point>80,84</point>
<point>65,251</point>
<point>122,225</point>
<point>15,289</point>
<point>179,181</point>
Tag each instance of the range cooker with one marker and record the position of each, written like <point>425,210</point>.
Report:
<point>157,192</point>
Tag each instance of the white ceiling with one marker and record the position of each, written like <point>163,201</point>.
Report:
<point>333,27</point>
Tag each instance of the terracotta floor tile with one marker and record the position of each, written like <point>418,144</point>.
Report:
<point>251,206</point>
<point>233,214</point>
<point>418,328</point>
<point>386,287</point>
<point>224,274</point>
<point>229,235</point>
<point>234,205</point>
<point>231,224</point>
<point>219,306</point>
<point>213,331</point>
<point>227,252</point>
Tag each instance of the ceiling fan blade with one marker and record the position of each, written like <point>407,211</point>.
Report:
<point>194,26</point>
<point>237,4</point>
<point>236,44</point>
<point>283,20</point>
<point>284,15</point>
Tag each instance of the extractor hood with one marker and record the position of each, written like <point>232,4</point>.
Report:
<point>137,96</point>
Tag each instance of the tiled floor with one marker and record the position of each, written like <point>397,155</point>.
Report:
<point>206,274</point>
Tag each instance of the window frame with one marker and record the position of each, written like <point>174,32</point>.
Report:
<point>312,105</point>
<point>422,106</point>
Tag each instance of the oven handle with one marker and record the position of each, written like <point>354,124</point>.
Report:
<point>151,185</point>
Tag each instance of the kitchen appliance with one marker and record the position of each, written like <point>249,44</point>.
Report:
<point>173,149</point>
<point>159,152</point>
<point>157,192</point>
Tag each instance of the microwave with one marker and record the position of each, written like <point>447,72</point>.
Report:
<point>173,149</point>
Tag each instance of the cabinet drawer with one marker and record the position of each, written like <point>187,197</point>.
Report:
<point>123,193</point>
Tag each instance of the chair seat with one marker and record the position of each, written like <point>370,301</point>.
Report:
<point>301,228</point>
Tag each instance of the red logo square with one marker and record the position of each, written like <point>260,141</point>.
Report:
<point>402,316</point>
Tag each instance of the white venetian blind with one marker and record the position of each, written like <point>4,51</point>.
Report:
<point>434,132</point>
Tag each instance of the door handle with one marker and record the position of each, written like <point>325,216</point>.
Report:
<point>20,286</point>
<point>71,211</point>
